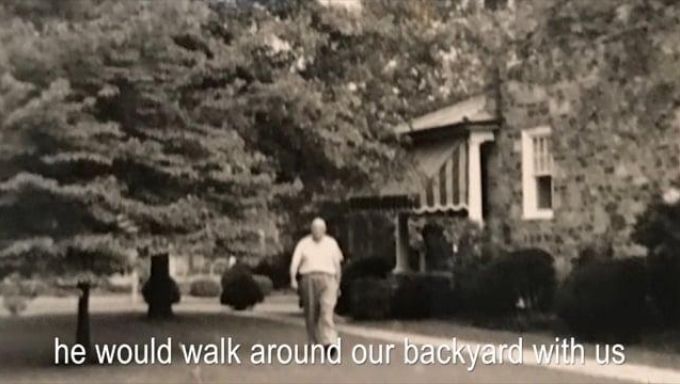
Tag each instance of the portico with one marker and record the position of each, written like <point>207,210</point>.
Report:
<point>445,170</point>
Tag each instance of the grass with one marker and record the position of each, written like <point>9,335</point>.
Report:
<point>27,342</point>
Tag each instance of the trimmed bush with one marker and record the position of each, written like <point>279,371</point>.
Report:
<point>658,229</point>
<point>605,299</point>
<point>264,283</point>
<point>276,268</point>
<point>535,278</point>
<point>377,267</point>
<point>239,289</point>
<point>205,287</point>
<point>161,293</point>
<point>371,298</point>
<point>525,276</point>
<point>419,296</point>
<point>664,283</point>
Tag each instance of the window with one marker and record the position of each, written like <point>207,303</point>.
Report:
<point>537,173</point>
<point>491,5</point>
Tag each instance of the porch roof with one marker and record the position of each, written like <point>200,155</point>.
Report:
<point>436,177</point>
<point>477,109</point>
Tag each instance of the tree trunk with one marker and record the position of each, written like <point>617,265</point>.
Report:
<point>83,325</point>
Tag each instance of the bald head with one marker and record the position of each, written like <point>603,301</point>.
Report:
<point>318,228</point>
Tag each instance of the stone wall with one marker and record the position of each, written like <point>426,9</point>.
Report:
<point>608,165</point>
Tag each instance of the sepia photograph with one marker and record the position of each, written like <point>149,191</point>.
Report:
<point>339,191</point>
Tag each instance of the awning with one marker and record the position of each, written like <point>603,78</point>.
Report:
<point>436,181</point>
<point>445,188</point>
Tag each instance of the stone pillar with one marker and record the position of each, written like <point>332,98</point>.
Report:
<point>476,139</point>
<point>401,243</point>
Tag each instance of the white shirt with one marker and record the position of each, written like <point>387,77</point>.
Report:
<point>316,256</point>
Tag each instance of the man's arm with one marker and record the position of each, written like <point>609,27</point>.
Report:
<point>338,263</point>
<point>295,265</point>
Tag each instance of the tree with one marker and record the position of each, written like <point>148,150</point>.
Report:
<point>94,127</point>
<point>201,131</point>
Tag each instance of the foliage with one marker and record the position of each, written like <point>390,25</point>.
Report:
<point>419,296</point>
<point>378,267</point>
<point>17,292</point>
<point>15,304</point>
<point>535,281</point>
<point>205,287</point>
<point>195,134</point>
<point>239,289</point>
<point>605,299</point>
<point>264,283</point>
<point>276,268</point>
<point>160,292</point>
<point>599,249</point>
<point>526,276</point>
<point>370,299</point>
<point>658,229</point>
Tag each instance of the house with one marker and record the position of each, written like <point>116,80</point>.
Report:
<point>516,163</point>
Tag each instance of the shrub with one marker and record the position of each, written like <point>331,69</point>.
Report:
<point>15,304</point>
<point>378,267</point>
<point>219,266</point>
<point>658,229</point>
<point>491,290</point>
<point>664,283</point>
<point>160,293</point>
<point>371,298</point>
<point>205,287</point>
<point>239,289</point>
<point>422,295</point>
<point>495,288</point>
<point>597,250</point>
<point>276,268</point>
<point>535,279</point>
<point>605,299</point>
<point>264,283</point>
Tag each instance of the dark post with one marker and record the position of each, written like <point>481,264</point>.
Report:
<point>83,324</point>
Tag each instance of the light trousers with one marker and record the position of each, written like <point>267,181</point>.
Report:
<point>319,292</point>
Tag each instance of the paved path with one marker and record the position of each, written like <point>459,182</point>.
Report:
<point>27,344</point>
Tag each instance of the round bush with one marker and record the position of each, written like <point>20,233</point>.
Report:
<point>205,287</point>
<point>239,289</point>
<point>161,293</point>
<point>378,267</point>
<point>15,304</point>
<point>605,299</point>
<point>264,283</point>
<point>371,298</point>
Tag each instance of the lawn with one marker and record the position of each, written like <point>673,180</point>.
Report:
<point>27,350</point>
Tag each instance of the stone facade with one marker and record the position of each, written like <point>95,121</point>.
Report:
<point>606,167</point>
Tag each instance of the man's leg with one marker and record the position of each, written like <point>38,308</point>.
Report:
<point>310,306</point>
<point>326,332</point>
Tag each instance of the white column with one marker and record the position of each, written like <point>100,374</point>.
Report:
<point>477,138</point>
<point>401,243</point>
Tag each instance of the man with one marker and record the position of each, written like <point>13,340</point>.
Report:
<point>317,259</point>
